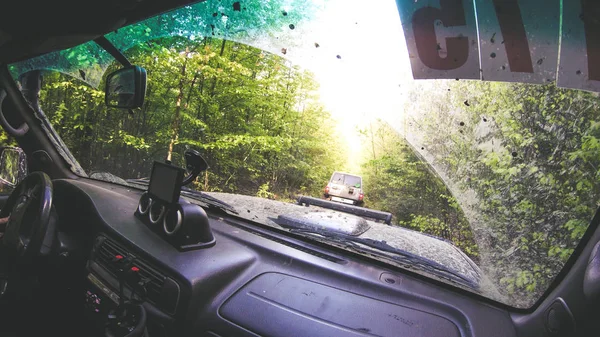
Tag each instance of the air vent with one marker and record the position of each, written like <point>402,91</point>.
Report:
<point>155,283</point>
<point>109,249</point>
<point>105,254</point>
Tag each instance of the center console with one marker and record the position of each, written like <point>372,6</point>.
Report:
<point>120,286</point>
<point>99,301</point>
<point>110,318</point>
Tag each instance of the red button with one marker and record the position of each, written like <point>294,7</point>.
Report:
<point>136,269</point>
<point>119,257</point>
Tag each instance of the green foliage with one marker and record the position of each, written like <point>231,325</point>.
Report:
<point>5,141</point>
<point>256,120</point>
<point>530,155</point>
<point>263,192</point>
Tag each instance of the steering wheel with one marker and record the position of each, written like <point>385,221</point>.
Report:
<point>29,207</point>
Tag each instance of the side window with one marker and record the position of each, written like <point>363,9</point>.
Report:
<point>5,187</point>
<point>337,178</point>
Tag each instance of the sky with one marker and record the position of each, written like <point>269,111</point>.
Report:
<point>371,77</point>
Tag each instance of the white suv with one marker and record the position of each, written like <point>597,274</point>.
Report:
<point>345,187</point>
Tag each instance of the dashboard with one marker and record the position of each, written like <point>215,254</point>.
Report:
<point>253,281</point>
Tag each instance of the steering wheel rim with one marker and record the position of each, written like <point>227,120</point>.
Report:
<point>29,207</point>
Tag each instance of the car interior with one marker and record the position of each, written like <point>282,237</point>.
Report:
<point>83,257</point>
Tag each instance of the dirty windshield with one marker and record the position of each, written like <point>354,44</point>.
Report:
<point>346,179</point>
<point>489,184</point>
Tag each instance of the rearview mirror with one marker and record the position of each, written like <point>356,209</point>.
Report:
<point>126,88</point>
<point>13,166</point>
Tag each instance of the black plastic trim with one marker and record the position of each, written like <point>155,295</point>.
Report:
<point>356,210</point>
<point>112,50</point>
<point>304,249</point>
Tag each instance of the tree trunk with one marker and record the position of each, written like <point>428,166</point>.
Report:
<point>214,84</point>
<point>373,146</point>
<point>205,180</point>
<point>189,95</point>
<point>176,116</point>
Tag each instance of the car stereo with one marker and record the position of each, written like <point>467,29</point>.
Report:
<point>99,300</point>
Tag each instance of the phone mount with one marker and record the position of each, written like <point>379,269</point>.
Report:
<point>182,224</point>
<point>195,164</point>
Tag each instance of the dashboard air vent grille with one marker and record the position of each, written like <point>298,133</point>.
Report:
<point>105,255</point>
<point>155,280</point>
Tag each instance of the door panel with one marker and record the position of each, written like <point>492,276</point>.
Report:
<point>3,198</point>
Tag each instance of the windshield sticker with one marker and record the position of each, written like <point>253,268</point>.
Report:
<point>518,40</point>
<point>441,37</point>
<point>580,46</point>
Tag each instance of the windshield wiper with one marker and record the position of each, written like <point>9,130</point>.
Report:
<point>209,201</point>
<point>403,257</point>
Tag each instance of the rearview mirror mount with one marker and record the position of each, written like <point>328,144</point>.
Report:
<point>126,88</point>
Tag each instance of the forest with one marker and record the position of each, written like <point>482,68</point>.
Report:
<point>400,181</point>
<point>507,172</point>
<point>522,161</point>
<point>253,116</point>
<point>257,120</point>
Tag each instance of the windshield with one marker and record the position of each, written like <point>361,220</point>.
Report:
<point>345,179</point>
<point>501,175</point>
